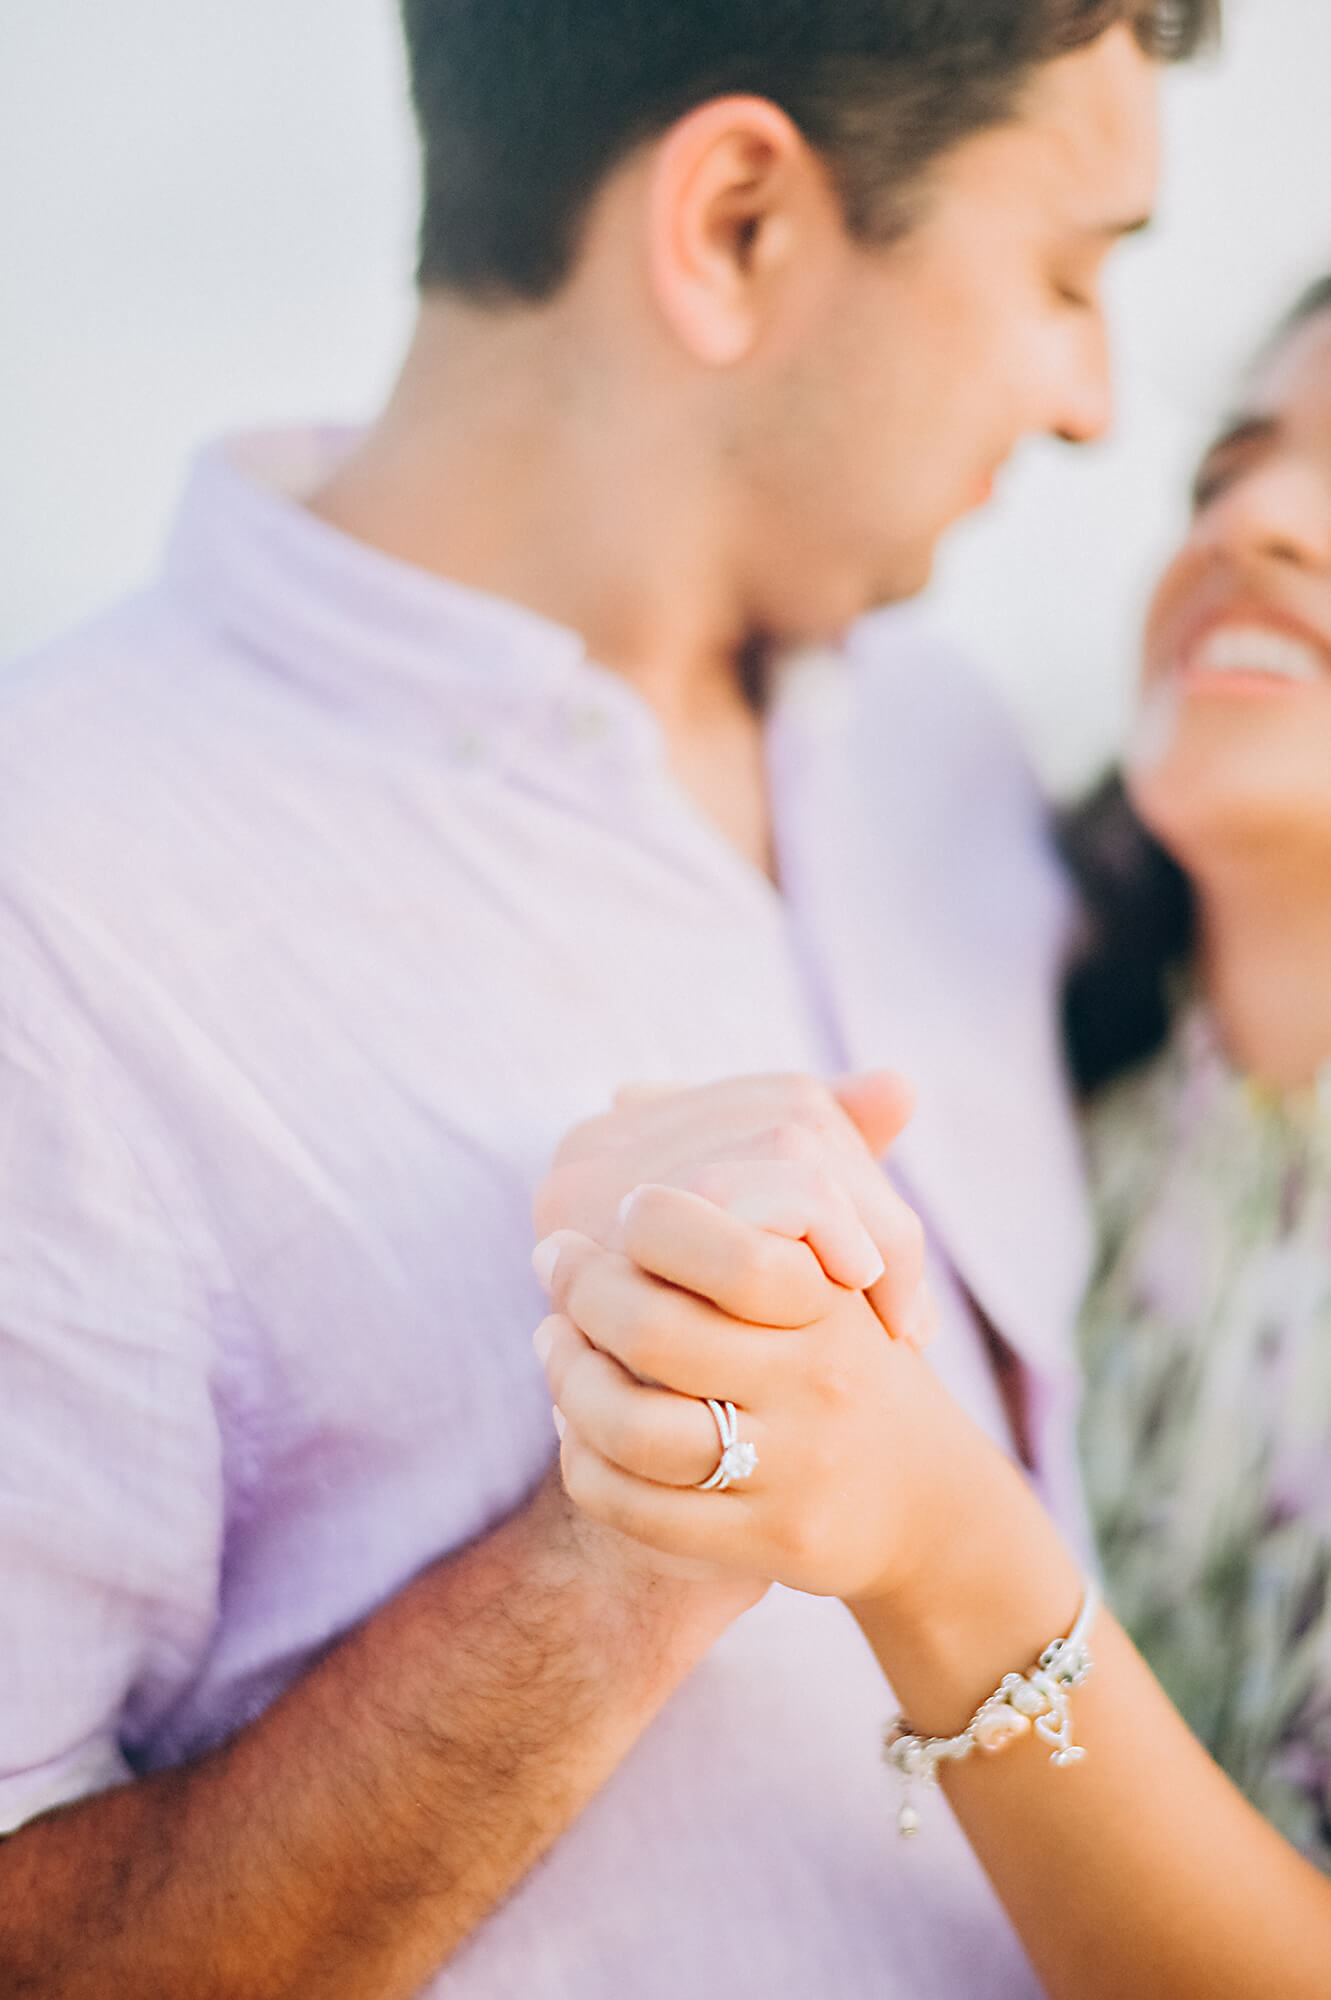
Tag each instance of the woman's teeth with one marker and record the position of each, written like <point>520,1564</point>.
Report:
<point>1256,649</point>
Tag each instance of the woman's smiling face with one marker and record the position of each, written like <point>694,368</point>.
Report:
<point>1233,745</point>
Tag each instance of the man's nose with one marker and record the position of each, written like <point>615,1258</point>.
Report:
<point>1279,510</point>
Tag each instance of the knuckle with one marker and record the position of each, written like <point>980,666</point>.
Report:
<point>802,1175</point>
<point>807,1100</point>
<point>793,1535</point>
<point>842,1194</point>
<point>834,1385</point>
<point>822,1187</point>
<point>752,1264</point>
<point>714,1183</point>
<point>791,1141</point>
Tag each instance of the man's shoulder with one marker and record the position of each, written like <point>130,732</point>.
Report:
<point>83,691</point>
<point>925,704</point>
<point>138,730</point>
<point>82,721</point>
<point>946,784</point>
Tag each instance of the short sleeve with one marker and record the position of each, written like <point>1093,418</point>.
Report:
<point>110,1459</point>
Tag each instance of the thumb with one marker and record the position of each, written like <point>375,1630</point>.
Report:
<point>879,1103</point>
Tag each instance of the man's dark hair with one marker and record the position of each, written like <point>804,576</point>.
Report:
<point>524,106</point>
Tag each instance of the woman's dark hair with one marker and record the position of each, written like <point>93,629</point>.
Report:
<point>1136,930</point>
<point>524,106</point>
<point>1137,927</point>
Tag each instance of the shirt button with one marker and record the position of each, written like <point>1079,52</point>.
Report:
<point>589,725</point>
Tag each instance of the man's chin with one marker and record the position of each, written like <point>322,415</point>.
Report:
<point>906,577</point>
<point>821,616</point>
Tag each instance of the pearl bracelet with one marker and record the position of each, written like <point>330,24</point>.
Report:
<point>1036,1700</point>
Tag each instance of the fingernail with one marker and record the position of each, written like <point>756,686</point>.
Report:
<point>543,1340</point>
<point>544,1259</point>
<point>921,1322</point>
<point>874,1267</point>
<point>626,1205</point>
<point>558,1416</point>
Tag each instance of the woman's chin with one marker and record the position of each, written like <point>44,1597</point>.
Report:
<point>1207,811</point>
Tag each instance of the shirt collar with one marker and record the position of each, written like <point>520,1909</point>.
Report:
<point>395,644</point>
<point>364,630</point>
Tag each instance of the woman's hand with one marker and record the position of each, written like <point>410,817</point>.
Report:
<point>786,1153</point>
<point>862,1457</point>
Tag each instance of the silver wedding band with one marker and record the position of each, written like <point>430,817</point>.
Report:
<point>738,1459</point>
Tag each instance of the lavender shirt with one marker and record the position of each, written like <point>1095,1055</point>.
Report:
<point>330,895</point>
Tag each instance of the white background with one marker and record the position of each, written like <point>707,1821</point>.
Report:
<point>206,221</point>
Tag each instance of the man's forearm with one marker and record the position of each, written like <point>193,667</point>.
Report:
<point>348,1840</point>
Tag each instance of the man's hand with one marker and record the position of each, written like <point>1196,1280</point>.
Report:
<point>785,1153</point>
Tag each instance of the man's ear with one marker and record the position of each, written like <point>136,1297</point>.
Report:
<point>735,188</point>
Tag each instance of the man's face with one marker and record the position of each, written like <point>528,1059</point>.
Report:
<point>923,363</point>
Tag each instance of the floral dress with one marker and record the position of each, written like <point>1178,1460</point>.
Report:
<point>1206,1426</point>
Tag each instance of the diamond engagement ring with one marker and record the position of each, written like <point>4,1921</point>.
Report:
<point>738,1459</point>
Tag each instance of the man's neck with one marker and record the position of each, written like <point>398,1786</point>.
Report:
<point>1266,958</point>
<point>511,459</point>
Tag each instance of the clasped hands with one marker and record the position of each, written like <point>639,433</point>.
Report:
<point>741,1242</point>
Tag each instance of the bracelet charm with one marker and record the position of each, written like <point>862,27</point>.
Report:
<point>1038,1701</point>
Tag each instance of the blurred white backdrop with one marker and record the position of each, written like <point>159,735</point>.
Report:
<point>206,222</point>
